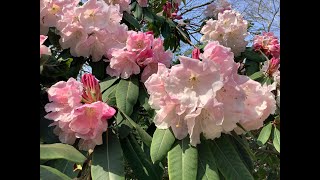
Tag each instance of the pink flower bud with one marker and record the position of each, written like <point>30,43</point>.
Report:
<point>91,89</point>
<point>195,53</point>
<point>273,65</point>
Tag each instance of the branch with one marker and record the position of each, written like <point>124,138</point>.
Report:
<point>201,5</point>
<point>274,15</point>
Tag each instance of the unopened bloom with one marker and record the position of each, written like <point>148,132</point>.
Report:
<point>195,53</point>
<point>91,91</point>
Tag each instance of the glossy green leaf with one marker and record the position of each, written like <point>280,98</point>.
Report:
<point>61,151</point>
<point>228,160</point>
<point>162,142</point>
<point>64,166</point>
<point>131,20</point>
<point>257,75</point>
<point>265,134</point>
<point>49,173</point>
<point>183,161</point>
<point>107,82</point>
<point>255,56</point>
<point>107,160</point>
<point>244,152</point>
<point>127,94</point>
<point>138,12</point>
<point>276,139</point>
<point>109,95</point>
<point>207,167</point>
<point>137,159</point>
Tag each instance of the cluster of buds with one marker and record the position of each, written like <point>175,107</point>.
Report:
<point>170,10</point>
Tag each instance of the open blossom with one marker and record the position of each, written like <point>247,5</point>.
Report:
<point>122,64</point>
<point>230,30</point>
<point>72,119</point>
<point>51,12</point>
<point>259,103</point>
<point>142,52</point>
<point>207,96</point>
<point>218,6</point>
<point>124,4</point>
<point>267,43</point>
<point>44,49</point>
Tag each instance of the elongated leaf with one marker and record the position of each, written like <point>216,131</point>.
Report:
<point>228,160</point>
<point>143,98</point>
<point>243,152</point>
<point>127,94</point>
<point>138,12</point>
<point>49,173</point>
<point>251,67</point>
<point>137,159</point>
<point>61,151</point>
<point>249,53</point>
<point>148,15</point>
<point>109,95</point>
<point>107,82</point>
<point>98,69</point>
<point>276,139</point>
<point>207,168</point>
<point>183,161</point>
<point>265,134</point>
<point>64,166</point>
<point>162,142</point>
<point>145,137</point>
<point>107,160</point>
<point>131,20</point>
<point>256,75</point>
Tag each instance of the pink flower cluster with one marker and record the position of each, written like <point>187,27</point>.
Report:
<point>88,30</point>
<point>230,30</point>
<point>207,96</point>
<point>44,49</point>
<point>268,44</point>
<point>142,51</point>
<point>218,6</point>
<point>72,118</point>
<point>124,4</point>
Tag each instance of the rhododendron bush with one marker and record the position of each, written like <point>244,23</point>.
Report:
<point>118,102</point>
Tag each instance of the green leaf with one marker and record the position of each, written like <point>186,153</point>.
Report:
<point>127,94</point>
<point>137,159</point>
<point>131,20</point>
<point>251,67</point>
<point>207,168</point>
<point>61,151</point>
<point>244,152</point>
<point>276,139</point>
<point>143,100</point>
<point>49,173</point>
<point>228,160</point>
<point>109,96</point>
<point>183,161</point>
<point>107,160</point>
<point>264,134</point>
<point>55,67</point>
<point>257,75</point>
<point>165,30</point>
<point>162,142</point>
<point>184,2</point>
<point>249,53</point>
<point>138,12</point>
<point>145,137</point>
<point>148,15</point>
<point>107,82</point>
<point>64,166</point>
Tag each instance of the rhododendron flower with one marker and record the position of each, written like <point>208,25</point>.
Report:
<point>44,49</point>
<point>230,30</point>
<point>89,122</point>
<point>63,97</point>
<point>271,69</point>
<point>74,119</point>
<point>268,43</point>
<point>124,4</point>
<point>143,3</point>
<point>96,15</point>
<point>221,55</point>
<point>218,6</point>
<point>259,103</point>
<point>122,64</point>
<point>139,41</point>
